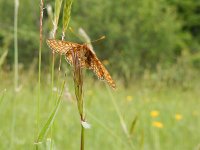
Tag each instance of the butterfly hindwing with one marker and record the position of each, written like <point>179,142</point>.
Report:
<point>99,69</point>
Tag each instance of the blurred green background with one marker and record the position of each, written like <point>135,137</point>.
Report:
<point>152,50</point>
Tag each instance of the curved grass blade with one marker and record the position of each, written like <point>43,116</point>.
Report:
<point>3,57</point>
<point>133,125</point>
<point>122,121</point>
<point>58,4</point>
<point>51,118</point>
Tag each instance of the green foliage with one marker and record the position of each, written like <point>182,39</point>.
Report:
<point>137,31</point>
<point>179,74</point>
<point>189,13</point>
<point>139,34</point>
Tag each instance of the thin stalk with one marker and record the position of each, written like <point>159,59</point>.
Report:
<point>58,4</point>
<point>82,137</point>
<point>52,96</point>
<point>39,65</point>
<point>52,73</point>
<point>15,71</point>
<point>16,45</point>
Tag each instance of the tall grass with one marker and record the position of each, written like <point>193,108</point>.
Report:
<point>51,118</point>
<point>57,5</point>
<point>77,74</point>
<point>16,76</point>
<point>49,123</point>
<point>16,45</point>
<point>39,69</point>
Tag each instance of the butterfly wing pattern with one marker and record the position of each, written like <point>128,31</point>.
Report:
<point>86,58</point>
<point>98,68</point>
<point>61,47</point>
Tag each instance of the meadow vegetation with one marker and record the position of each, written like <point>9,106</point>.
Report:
<point>152,51</point>
<point>167,117</point>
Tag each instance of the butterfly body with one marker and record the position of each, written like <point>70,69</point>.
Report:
<point>87,58</point>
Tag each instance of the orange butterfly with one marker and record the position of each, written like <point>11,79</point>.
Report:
<point>86,56</point>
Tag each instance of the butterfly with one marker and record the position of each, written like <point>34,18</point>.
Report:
<point>87,58</point>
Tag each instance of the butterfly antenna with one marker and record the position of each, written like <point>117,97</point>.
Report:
<point>101,38</point>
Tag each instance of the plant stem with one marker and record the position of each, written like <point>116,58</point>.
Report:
<point>52,94</point>
<point>15,71</point>
<point>16,45</point>
<point>82,137</point>
<point>39,64</point>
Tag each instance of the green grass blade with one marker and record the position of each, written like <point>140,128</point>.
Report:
<point>122,121</point>
<point>58,4</point>
<point>133,125</point>
<point>3,57</point>
<point>16,44</point>
<point>51,118</point>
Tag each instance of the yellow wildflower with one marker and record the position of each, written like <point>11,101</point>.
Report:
<point>178,117</point>
<point>157,124</point>
<point>154,113</point>
<point>129,98</point>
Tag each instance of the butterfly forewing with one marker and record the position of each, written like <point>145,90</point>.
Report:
<point>61,47</point>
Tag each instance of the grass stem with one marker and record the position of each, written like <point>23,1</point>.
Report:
<point>82,137</point>
<point>15,71</point>
<point>16,45</point>
<point>39,67</point>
